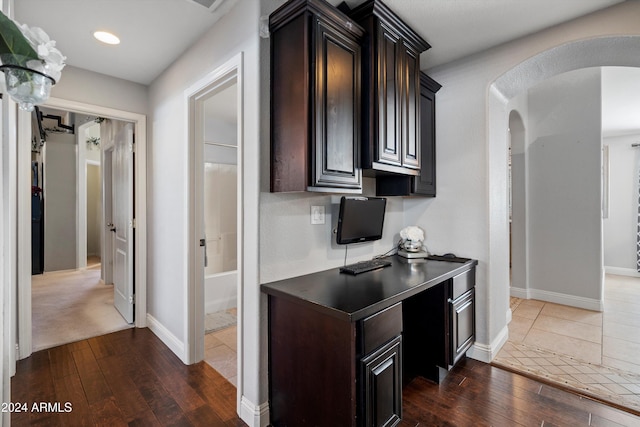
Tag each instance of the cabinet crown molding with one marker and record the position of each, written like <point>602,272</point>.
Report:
<point>293,8</point>
<point>381,11</point>
<point>431,84</point>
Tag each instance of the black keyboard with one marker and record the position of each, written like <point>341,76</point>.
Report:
<point>448,258</point>
<point>364,266</point>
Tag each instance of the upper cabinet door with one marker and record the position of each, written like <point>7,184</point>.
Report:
<point>425,184</point>
<point>315,99</point>
<point>411,109</point>
<point>336,161</point>
<point>389,98</point>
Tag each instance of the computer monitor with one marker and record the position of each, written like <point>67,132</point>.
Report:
<point>360,219</point>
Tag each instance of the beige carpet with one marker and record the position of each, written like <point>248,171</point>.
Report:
<point>69,306</point>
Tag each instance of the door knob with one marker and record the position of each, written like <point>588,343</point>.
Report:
<point>111,227</point>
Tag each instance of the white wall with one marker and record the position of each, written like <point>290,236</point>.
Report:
<point>59,202</point>
<point>168,159</point>
<point>564,188</point>
<point>620,227</point>
<point>518,230</point>
<point>98,89</point>
<point>94,210</point>
<point>221,131</point>
<point>289,245</point>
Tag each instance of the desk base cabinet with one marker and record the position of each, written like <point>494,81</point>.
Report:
<point>382,385</point>
<point>330,367</point>
<point>463,325</point>
<point>312,367</point>
<point>439,327</point>
<point>323,370</point>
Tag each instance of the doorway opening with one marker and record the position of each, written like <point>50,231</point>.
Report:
<point>221,229</point>
<point>70,298</point>
<point>76,257</point>
<point>215,288</point>
<point>561,326</point>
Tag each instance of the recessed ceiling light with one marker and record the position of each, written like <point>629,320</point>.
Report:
<point>106,37</point>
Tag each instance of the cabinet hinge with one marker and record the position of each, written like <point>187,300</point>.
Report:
<point>132,147</point>
<point>132,223</point>
<point>132,299</point>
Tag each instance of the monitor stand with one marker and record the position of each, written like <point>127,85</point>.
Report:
<point>412,255</point>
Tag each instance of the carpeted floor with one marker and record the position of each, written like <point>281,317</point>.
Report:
<point>72,305</point>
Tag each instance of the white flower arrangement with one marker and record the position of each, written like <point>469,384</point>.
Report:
<point>46,50</point>
<point>29,47</point>
<point>30,62</point>
<point>412,233</point>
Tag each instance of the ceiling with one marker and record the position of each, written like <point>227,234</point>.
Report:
<point>155,33</point>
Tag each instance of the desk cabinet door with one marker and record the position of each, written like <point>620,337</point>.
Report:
<point>462,325</point>
<point>382,381</point>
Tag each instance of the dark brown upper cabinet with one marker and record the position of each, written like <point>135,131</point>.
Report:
<point>391,95</point>
<point>315,99</point>
<point>425,183</point>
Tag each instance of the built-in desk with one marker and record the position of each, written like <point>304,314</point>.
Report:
<point>341,346</point>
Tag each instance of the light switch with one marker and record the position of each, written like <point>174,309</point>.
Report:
<point>317,214</point>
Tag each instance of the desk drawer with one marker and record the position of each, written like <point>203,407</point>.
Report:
<point>381,327</point>
<point>462,283</point>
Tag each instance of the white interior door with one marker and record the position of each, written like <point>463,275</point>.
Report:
<point>123,224</point>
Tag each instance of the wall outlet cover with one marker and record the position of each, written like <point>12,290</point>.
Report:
<point>317,214</point>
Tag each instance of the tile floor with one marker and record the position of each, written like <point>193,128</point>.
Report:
<point>221,352</point>
<point>595,353</point>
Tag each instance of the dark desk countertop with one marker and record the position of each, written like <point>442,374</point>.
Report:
<point>355,297</point>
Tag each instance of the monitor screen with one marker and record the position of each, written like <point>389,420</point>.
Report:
<point>360,219</point>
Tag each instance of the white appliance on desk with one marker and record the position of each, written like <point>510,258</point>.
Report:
<point>412,244</point>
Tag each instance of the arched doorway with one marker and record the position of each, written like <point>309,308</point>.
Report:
<point>594,52</point>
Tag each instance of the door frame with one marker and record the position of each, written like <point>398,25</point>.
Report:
<point>81,197</point>
<point>25,344</point>
<point>195,96</point>
<point>106,159</point>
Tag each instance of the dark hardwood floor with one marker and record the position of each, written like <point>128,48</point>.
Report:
<point>127,378</point>
<point>130,378</point>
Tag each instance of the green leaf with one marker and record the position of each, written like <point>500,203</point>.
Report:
<point>12,42</point>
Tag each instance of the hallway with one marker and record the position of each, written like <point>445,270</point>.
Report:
<point>72,305</point>
<point>594,353</point>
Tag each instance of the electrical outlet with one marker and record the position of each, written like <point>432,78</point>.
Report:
<point>317,214</point>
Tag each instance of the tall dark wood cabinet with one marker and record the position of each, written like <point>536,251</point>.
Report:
<point>391,99</point>
<point>315,99</point>
<point>425,183</point>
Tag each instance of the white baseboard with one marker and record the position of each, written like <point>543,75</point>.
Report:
<point>519,293</point>
<point>254,415</point>
<point>167,337</point>
<point>570,300</point>
<point>621,271</point>
<point>558,298</point>
<point>485,353</point>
